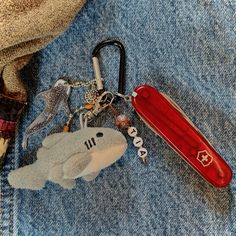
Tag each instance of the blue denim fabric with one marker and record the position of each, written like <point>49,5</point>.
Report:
<point>187,50</point>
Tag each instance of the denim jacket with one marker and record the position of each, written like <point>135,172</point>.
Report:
<point>185,49</point>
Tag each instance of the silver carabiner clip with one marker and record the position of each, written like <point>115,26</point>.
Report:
<point>104,100</point>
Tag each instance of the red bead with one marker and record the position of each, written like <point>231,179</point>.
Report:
<point>123,121</point>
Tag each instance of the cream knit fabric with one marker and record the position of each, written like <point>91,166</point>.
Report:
<point>26,26</point>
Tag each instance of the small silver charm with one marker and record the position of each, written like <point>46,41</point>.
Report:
<point>92,94</point>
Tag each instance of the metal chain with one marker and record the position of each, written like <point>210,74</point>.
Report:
<point>80,83</point>
<point>92,94</point>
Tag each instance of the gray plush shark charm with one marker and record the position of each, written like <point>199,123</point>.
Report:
<point>67,156</point>
<point>55,100</point>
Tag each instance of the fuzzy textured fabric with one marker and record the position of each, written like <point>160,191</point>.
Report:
<point>26,26</point>
<point>67,156</point>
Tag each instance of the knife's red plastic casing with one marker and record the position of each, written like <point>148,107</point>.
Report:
<point>166,119</point>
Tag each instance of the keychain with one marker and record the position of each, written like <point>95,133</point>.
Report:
<point>66,156</point>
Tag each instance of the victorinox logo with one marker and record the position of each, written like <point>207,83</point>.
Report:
<point>205,158</point>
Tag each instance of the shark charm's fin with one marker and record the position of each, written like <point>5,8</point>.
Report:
<point>75,165</point>
<point>27,177</point>
<point>91,176</point>
<point>53,139</point>
<point>56,176</point>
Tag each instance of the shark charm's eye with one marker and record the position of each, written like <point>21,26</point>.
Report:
<point>99,134</point>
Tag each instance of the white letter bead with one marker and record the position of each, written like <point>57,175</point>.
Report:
<point>142,152</point>
<point>138,142</point>
<point>132,131</point>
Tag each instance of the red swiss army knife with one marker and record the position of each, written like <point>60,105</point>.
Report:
<point>167,120</point>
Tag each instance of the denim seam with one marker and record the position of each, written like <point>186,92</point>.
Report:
<point>7,196</point>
